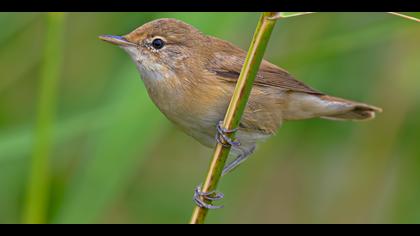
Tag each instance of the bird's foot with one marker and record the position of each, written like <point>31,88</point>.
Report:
<point>200,198</point>
<point>222,138</point>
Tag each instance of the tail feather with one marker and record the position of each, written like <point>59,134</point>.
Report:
<point>351,110</point>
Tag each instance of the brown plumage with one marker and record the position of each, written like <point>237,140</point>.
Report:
<point>192,76</point>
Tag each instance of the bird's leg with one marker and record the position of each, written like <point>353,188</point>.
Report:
<point>200,197</point>
<point>223,139</point>
<point>238,160</point>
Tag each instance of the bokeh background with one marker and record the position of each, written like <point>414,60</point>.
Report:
<point>114,158</point>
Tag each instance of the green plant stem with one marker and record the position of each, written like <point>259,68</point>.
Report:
<point>237,106</point>
<point>36,207</point>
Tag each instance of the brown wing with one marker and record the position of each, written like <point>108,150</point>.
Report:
<point>227,64</point>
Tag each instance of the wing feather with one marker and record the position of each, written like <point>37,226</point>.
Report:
<point>227,64</point>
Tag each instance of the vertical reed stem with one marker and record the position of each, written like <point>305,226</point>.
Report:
<point>237,106</point>
<point>35,211</point>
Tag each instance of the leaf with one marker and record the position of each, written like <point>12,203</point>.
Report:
<point>405,16</point>
<point>279,15</point>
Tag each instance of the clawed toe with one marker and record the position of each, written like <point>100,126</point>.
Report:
<point>200,197</point>
<point>223,139</point>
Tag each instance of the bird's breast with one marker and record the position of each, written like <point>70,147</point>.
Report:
<point>195,108</point>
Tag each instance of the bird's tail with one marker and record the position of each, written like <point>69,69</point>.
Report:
<point>350,110</point>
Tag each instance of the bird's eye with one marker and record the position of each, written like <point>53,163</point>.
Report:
<point>158,43</point>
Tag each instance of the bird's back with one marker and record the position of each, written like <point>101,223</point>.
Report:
<point>277,95</point>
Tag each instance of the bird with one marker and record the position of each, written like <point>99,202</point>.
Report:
<point>191,76</point>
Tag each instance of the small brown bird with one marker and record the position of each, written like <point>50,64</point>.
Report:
<point>191,77</point>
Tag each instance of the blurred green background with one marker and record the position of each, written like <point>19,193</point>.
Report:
<point>114,158</point>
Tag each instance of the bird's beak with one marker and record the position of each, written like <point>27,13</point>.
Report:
<point>117,40</point>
